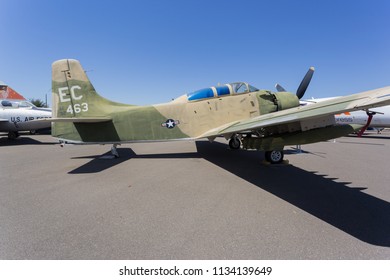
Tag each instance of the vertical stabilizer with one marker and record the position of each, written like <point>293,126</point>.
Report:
<point>73,96</point>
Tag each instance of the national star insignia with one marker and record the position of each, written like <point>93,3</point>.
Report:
<point>170,123</point>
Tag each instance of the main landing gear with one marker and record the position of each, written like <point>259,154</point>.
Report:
<point>235,142</point>
<point>12,135</point>
<point>370,116</point>
<point>274,157</point>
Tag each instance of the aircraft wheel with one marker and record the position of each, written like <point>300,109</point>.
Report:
<point>234,143</point>
<point>274,157</point>
<point>12,135</point>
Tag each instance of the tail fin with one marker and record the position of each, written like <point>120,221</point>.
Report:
<point>80,115</point>
<point>73,93</point>
<point>75,102</point>
<point>6,92</point>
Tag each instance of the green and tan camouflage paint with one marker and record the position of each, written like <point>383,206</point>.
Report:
<point>75,97</point>
<point>81,115</point>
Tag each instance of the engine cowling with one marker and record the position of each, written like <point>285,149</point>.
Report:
<point>275,101</point>
<point>286,100</point>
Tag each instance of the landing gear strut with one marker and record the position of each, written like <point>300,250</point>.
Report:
<point>114,152</point>
<point>235,142</point>
<point>274,157</point>
<point>370,115</point>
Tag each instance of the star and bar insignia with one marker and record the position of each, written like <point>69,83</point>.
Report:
<point>170,123</point>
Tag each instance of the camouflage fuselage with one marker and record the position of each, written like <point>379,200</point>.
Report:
<point>179,119</point>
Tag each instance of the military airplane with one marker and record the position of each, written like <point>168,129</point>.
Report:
<point>17,114</point>
<point>8,93</point>
<point>249,117</point>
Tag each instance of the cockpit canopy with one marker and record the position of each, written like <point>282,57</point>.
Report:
<point>16,104</point>
<point>218,91</point>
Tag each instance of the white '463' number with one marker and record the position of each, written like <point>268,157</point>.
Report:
<point>77,108</point>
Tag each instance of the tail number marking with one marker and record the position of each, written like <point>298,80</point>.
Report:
<point>64,97</point>
<point>77,108</point>
<point>63,93</point>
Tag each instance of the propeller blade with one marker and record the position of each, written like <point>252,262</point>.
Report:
<point>305,83</point>
<point>279,88</point>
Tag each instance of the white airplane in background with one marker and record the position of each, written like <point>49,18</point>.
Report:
<point>17,114</point>
<point>377,118</point>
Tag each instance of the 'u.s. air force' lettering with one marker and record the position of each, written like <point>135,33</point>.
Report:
<point>170,123</point>
<point>23,119</point>
<point>64,95</point>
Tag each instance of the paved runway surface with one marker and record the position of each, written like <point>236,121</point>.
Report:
<point>194,200</point>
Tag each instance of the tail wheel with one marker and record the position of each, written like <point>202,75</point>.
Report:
<point>274,157</point>
<point>234,143</point>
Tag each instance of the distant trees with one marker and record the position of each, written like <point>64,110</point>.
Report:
<point>37,102</point>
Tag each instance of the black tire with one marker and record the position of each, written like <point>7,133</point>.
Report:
<point>12,135</point>
<point>274,157</point>
<point>234,143</point>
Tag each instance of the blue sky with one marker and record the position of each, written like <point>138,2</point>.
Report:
<point>148,52</point>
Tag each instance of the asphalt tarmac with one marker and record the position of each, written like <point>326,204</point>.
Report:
<point>194,200</point>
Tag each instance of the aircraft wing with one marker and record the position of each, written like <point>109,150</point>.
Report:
<point>354,102</point>
<point>3,120</point>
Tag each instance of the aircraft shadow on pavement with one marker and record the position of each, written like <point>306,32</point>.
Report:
<point>347,208</point>
<point>97,164</point>
<point>24,140</point>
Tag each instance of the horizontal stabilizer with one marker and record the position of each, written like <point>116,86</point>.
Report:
<point>77,120</point>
